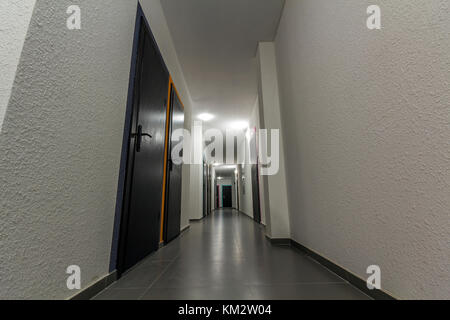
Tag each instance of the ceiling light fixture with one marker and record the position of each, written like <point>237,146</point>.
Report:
<point>205,117</point>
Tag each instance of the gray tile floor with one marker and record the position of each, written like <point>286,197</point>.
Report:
<point>226,256</point>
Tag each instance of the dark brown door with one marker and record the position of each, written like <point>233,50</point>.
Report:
<point>174,173</point>
<point>140,227</point>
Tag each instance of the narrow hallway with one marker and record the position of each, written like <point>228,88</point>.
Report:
<point>226,256</point>
<point>224,150</point>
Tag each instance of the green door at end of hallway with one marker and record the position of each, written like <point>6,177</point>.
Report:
<point>227,200</point>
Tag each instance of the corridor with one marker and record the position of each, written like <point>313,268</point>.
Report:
<point>226,257</point>
<point>224,150</point>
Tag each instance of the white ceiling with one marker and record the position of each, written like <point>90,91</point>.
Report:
<point>216,42</point>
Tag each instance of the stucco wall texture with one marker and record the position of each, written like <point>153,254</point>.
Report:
<point>14,20</point>
<point>366,117</point>
<point>60,148</point>
<point>61,144</point>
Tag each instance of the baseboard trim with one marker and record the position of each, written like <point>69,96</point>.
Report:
<point>96,287</point>
<point>343,273</point>
<point>340,271</point>
<point>245,214</point>
<point>196,220</point>
<point>185,228</point>
<point>279,241</point>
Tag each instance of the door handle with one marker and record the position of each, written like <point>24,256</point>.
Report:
<point>138,137</point>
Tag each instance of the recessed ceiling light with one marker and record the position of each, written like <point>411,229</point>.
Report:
<point>239,125</point>
<point>205,117</point>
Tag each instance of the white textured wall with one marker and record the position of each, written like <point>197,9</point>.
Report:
<point>196,192</point>
<point>277,208</point>
<point>14,20</point>
<point>366,116</point>
<point>61,143</point>
<point>60,148</point>
<point>196,173</point>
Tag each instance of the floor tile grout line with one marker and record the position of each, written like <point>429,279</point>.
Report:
<point>158,277</point>
<point>142,264</point>
<point>242,246</point>
<point>248,285</point>
<point>293,284</point>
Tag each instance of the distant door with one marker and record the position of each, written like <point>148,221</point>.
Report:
<point>255,194</point>
<point>255,176</point>
<point>140,225</point>
<point>208,200</point>
<point>205,189</point>
<point>227,200</point>
<point>236,183</point>
<point>217,197</point>
<point>172,216</point>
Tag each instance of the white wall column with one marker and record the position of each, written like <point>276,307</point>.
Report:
<point>276,203</point>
